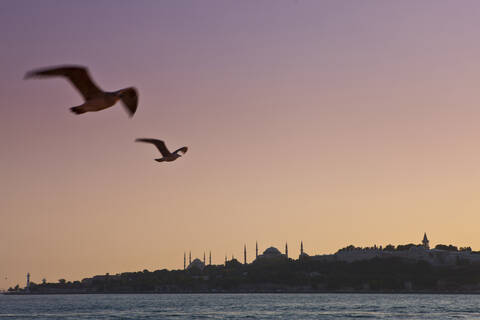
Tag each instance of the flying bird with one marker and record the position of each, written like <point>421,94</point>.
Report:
<point>95,98</point>
<point>167,155</point>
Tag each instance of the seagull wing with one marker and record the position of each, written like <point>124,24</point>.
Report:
<point>130,100</point>
<point>158,143</point>
<point>182,150</point>
<point>77,75</point>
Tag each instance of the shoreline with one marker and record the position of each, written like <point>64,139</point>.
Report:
<point>253,292</point>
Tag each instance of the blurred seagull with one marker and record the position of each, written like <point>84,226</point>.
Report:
<point>95,98</point>
<point>167,155</point>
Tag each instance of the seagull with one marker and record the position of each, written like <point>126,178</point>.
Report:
<point>95,98</point>
<point>167,155</point>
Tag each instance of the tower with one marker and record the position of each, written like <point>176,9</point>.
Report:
<point>301,248</point>
<point>204,263</point>
<point>425,242</point>
<point>244,254</point>
<point>184,260</point>
<point>28,282</point>
<point>210,258</point>
<point>225,259</point>
<point>256,249</point>
<point>286,250</point>
<point>190,258</point>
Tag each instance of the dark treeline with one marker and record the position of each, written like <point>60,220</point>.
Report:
<point>285,275</point>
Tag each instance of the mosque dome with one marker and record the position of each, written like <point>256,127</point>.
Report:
<point>271,254</point>
<point>197,263</point>
<point>272,251</point>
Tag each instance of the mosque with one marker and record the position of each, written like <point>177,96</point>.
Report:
<point>270,254</point>
<point>196,263</point>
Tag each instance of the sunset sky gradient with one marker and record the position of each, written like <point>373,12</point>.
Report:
<point>332,122</point>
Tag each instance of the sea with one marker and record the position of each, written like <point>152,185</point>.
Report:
<point>240,306</point>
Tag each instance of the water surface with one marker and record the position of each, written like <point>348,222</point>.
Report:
<point>241,306</point>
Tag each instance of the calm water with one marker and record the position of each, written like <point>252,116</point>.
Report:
<point>241,306</point>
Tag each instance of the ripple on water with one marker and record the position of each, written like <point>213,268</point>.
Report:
<point>241,306</point>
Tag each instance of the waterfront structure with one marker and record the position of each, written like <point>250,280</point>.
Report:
<point>27,288</point>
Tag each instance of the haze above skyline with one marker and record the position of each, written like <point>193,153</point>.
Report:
<point>331,122</point>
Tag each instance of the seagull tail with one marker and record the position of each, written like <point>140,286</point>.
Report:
<point>160,159</point>
<point>78,110</point>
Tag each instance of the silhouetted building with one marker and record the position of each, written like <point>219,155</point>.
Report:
<point>286,250</point>
<point>27,288</point>
<point>303,254</point>
<point>271,253</point>
<point>425,242</point>
<point>244,254</point>
<point>197,264</point>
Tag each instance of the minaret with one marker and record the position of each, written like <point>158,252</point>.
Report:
<point>225,259</point>
<point>184,260</point>
<point>425,242</point>
<point>256,249</point>
<point>286,250</point>
<point>190,258</point>
<point>204,263</point>
<point>301,248</point>
<point>244,254</point>
<point>28,282</point>
<point>210,258</point>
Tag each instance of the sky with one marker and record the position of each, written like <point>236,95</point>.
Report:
<point>327,122</point>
